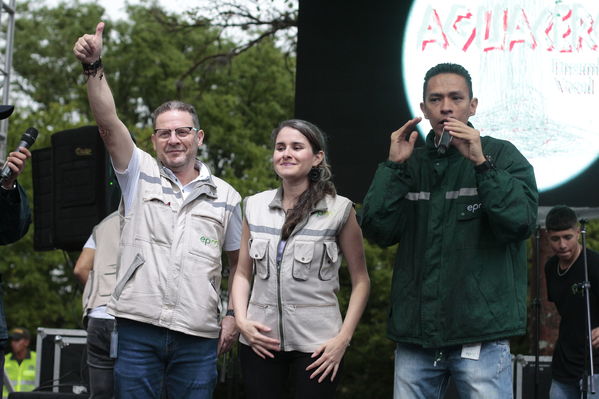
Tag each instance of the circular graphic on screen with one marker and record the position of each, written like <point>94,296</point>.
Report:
<point>534,68</point>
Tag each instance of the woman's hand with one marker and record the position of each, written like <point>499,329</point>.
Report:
<point>253,331</point>
<point>329,358</point>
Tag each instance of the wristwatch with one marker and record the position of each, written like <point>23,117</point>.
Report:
<point>485,166</point>
<point>230,312</point>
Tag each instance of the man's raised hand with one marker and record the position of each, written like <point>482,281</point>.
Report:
<point>88,48</point>
<point>403,140</point>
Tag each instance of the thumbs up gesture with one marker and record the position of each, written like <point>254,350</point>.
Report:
<point>88,48</point>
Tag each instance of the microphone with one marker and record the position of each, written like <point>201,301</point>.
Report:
<point>444,142</point>
<point>27,140</point>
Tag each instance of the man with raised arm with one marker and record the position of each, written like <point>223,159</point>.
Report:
<point>178,218</point>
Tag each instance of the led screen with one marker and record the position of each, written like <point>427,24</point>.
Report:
<point>535,71</point>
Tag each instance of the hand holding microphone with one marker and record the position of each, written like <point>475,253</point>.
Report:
<point>465,138</point>
<point>15,163</point>
<point>444,142</point>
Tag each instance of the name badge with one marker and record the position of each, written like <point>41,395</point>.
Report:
<point>471,351</point>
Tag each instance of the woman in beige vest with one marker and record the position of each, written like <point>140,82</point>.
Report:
<point>292,332</point>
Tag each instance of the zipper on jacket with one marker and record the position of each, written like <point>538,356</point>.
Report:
<point>279,300</point>
<point>279,259</point>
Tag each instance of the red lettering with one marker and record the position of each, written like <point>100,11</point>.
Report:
<point>496,35</point>
<point>435,28</point>
<point>521,31</point>
<point>562,30</point>
<point>465,20</point>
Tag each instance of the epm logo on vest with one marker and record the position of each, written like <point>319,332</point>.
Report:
<point>211,242</point>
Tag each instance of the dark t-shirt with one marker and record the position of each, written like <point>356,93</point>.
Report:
<point>568,357</point>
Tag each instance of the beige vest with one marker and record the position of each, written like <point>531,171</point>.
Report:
<point>297,297</point>
<point>169,271</point>
<point>102,277</point>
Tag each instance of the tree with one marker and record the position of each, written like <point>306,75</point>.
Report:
<point>250,22</point>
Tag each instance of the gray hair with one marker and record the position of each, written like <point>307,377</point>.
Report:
<point>176,105</point>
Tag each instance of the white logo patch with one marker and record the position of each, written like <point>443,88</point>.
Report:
<point>474,207</point>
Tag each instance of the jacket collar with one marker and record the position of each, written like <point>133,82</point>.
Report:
<point>204,183</point>
<point>27,356</point>
<point>277,202</point>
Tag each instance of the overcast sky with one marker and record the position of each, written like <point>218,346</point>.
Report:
<point>116,8</point>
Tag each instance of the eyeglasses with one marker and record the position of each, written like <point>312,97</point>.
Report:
<point>181,132</point>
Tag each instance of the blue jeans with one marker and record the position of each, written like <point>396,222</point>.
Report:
<point>560,390</point>
<point>152,359</point>
<point>424,373</point>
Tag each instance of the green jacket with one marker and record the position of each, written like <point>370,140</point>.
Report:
<point>21,375</point>
<point>460,271</point>
<point>15,215</point>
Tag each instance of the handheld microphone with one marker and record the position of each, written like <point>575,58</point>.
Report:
<point>444,142</point>
<point>27,140</point>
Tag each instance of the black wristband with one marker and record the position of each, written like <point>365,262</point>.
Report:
<point>485,166</point>
<point>91,69</point>
<point>230,312</point>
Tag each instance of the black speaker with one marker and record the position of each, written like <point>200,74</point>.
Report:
<point>41,169</point>
<point>84,189</point>
<point>525,377</point>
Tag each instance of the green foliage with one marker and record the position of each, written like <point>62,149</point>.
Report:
<point>592,236</point>
<point>44,38</point>
<point>368,363</point>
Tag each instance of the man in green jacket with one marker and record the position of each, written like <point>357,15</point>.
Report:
<point>461,208</point>
<point>15,214</point>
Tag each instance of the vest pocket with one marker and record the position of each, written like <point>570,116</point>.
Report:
<point>328,267</point>
<point>137,262</point>
<point>258,253</point>
<point>469,214</point>
<point>159,219</point>
<point>87,290</point>
<point>303,252</point>
<point>106,281</point>
<point>208,233</point>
